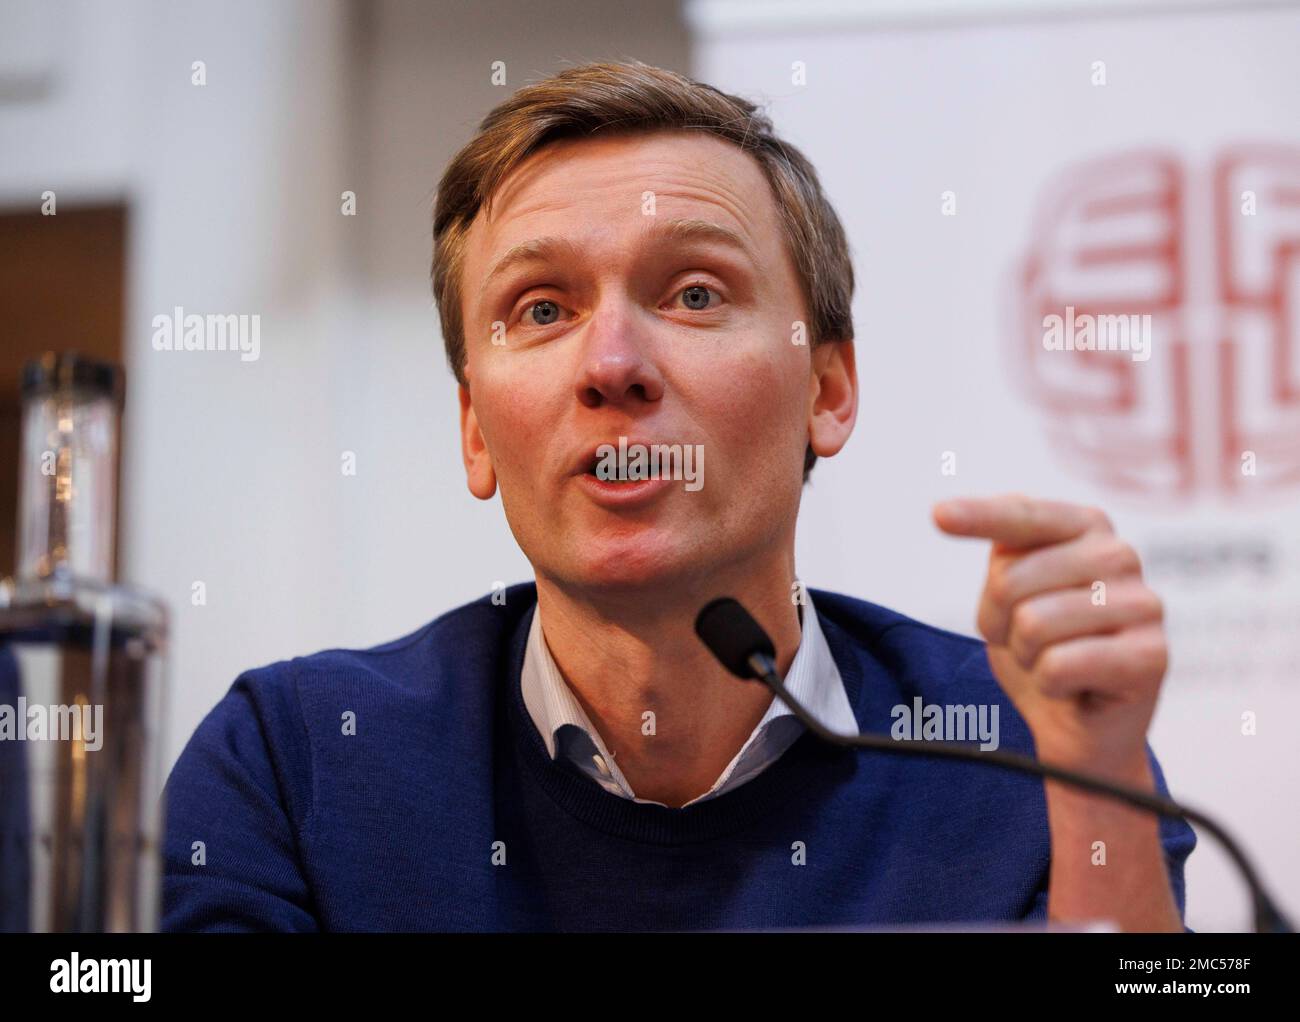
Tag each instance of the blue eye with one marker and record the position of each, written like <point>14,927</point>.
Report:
<point>696,296</point>
<point>545,312</point>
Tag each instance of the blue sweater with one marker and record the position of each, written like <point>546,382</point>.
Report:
<point>443,811</point>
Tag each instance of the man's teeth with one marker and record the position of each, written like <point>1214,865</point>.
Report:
<point>620,477</point>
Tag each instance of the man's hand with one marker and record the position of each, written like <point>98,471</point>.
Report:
<point>1075,640</point>
<point>1074,635</point>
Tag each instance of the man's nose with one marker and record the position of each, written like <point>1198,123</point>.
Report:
<point>616,365</point>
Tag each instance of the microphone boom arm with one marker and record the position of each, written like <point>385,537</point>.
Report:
<point>1268,918</point>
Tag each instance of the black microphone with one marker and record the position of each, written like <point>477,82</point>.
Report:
<point>745,649</point>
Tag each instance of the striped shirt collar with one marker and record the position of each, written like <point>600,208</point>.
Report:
<point>813,679</point>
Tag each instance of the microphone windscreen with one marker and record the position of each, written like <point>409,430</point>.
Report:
<point>732,635</point>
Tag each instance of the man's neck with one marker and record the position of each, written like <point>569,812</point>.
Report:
<point>671,715</point>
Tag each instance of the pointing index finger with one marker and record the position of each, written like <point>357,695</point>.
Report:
<point>1015,520</point>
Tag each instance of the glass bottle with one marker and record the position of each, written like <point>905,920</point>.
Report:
<point>82,673</point>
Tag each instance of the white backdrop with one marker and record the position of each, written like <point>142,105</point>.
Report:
<point>901,104</point>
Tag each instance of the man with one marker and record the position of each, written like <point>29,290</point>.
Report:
<point>627,260</point>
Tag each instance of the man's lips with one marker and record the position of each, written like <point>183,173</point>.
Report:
<point>613,494</point>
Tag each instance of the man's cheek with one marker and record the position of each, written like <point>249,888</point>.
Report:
<point>513,397</point>
<point>508,419</point>
<point>759,401</point>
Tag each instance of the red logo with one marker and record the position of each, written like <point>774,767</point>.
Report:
<point>1209,259</point>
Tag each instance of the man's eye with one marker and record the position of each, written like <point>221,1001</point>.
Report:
<point>544,312</point>
<point>696,296</point>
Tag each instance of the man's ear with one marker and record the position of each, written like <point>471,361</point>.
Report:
<point>832,397</point>
<point>479,474</point>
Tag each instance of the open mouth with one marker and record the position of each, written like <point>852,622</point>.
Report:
<point>630,469</point>
<point>617,480</point>
<point>619,474</point>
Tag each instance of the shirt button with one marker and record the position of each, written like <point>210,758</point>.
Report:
<point>601,765</point>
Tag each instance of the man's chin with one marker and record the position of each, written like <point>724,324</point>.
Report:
<point>647,562</point>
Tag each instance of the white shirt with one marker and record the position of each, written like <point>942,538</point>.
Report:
<point>813,679</point>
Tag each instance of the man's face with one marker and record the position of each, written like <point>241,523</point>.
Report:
<point>623,325</point>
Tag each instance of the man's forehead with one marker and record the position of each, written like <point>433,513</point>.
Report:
<point>706,179</point>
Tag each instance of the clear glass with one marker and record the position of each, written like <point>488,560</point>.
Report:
<point>82,684</point>
<point>67,485</point>
<point>82,672</point>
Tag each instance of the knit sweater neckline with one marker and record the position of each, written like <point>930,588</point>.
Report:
<point>804,763</point>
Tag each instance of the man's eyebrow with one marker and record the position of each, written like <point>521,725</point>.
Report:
<point>702,230</point>
<point>550,247</point>
<point>555,248</point>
